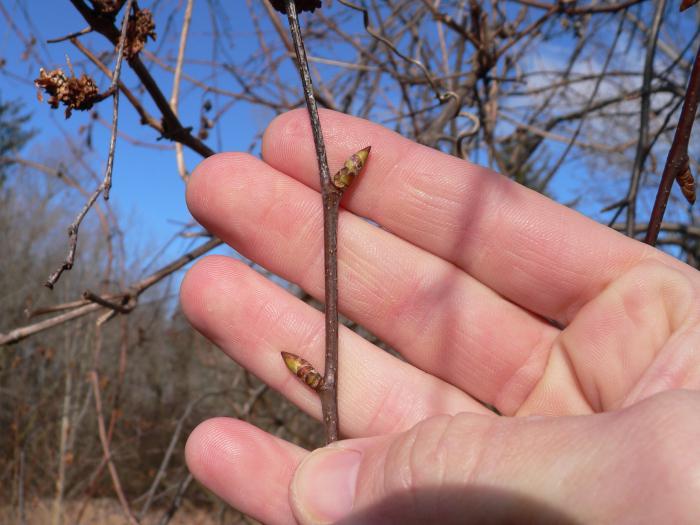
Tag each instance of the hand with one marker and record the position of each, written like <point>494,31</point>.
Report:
<point>462,279</point>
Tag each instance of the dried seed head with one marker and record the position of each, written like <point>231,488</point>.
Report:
<point>140,28</point>
<point>73,92</point>
<point>344,177</point>
<point>687,183</point>
<point>303,370</point>
<point>302,5</point>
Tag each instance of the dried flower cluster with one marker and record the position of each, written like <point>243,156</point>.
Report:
<point>140,28</point>
<point>302,5</point>
<point>73,92</point>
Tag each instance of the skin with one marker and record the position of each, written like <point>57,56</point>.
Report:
<point>589,343</point>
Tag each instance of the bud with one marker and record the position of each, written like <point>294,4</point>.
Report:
<point>303,370</point>
<point>351,169</point>
<point>687,183</point>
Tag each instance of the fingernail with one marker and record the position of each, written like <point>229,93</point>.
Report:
<point>324,485</point>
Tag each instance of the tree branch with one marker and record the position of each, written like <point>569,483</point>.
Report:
<point>677,159</point>
<point>331,201</point>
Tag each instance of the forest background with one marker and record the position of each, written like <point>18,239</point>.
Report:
<point>101,377</point>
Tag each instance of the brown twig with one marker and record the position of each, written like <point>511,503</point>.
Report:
<point>121,308</point>
<point>94,380</point>
<point>115,106</point>
<point>70,36</point>
<point>106,183</point>
<point>642,149</point>
<point>179,155</point>
<point>331,201</point>
<point>134,291</point>
<point>677,159</point>
<point>177,500</point>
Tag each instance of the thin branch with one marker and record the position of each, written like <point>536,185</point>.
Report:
<point>171,447</point>
<point>677,159</point>
<point>544,182</point>
<point>106,184</point>
<point>177,500</point>
<point>441,96</point>
<point>94,380</point>
<point>331,201</point>
<point>115,107</point>
<point>134,291</point>
<point>70,36</point>
<point>121,308</point>
<point>642,144</point>
<point>179,155</point>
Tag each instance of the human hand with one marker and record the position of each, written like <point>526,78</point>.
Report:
<point>461,280</point>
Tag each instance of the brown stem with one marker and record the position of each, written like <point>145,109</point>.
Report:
<point>677,158</point>
<point>106,183</point>
<point>134,291</point>
<point>95,381</point>
<point>331,200</point>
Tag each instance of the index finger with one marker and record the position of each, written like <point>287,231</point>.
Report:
<point>539,254</point>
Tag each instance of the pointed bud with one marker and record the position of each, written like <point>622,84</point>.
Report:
<point>303,370</point>
<point>687,183</point>
<point>351,169</point>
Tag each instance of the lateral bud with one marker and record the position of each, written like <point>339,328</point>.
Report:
<point>351,169</point>
<point>303,370</point>
<point>687,183</point>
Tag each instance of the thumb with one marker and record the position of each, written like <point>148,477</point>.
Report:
<point>629,466</point>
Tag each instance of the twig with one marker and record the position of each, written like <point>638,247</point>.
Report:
<point>642,144</point>
<point>684,230</point>
<point>177,500</point>
<point>115,107</point>
<point>173,442</point>
<point>546,179</point>
<point>70,36</point>
<point>441,96</point>
<point>121,308</point>
<point>677,158</point>
<point>94,379</point>
<point>134,291</point>
<point>106,183</point>
<point>331,201</point>
<point>179,155</point>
